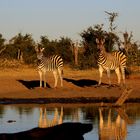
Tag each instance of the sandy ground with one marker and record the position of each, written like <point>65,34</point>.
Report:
<point>24,84</point>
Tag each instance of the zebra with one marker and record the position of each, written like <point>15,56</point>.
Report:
<point>111,61</point>
<point>53,63</point>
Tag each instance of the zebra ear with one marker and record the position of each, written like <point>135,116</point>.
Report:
<point>36,49</point>
<point>71,43</point>
<point>103,41</point>
<point>42,49</point>
<point>97,40</point>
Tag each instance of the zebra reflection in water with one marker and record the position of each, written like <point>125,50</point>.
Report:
<point>45,122</point>
<point>110,128</point>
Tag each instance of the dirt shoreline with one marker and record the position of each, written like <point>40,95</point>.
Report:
<point>103,102</point>
<point>22,86</point>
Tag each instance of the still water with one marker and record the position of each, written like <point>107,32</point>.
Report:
<point>108,123</point>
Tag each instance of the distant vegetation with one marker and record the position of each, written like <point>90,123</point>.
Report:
<point>21,47</point>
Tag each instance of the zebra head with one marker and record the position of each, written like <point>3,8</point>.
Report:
<point>100,44</point>
<point>39,52</point>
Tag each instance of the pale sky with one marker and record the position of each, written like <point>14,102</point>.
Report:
<point>66,18</point>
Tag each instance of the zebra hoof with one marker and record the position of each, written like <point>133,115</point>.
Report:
<point>96,86</point>
<point>123,86</point>
<point>110,86</point>
<point>39,87</point>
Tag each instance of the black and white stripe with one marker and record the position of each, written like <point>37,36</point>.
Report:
<point>50,64</point>
<point>111,61</point>
<point>53,63</point>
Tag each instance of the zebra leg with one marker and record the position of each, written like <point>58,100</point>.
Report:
<point>40,74</point>
<point>55,78</point>
<point>118,75</point>
<point>108,75</point>
<point>60,75</point>
<point>123,74</point>
<point>45,79</point>
<point>101,74</point>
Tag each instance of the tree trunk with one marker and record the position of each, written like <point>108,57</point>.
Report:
<point>20,55</point>
<point>76,55</point>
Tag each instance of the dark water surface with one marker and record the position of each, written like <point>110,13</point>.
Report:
<point>108,123</point>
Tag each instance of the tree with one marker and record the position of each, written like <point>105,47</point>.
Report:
<point>2,45</point>
<point>111,18</point>
<point>24,47</point>
<point>112,37</point>
<point>48,45</point>
<point>131,49</point>
<point>75,51</point>
<point>90,55</point>
<point>60,47</point>
<point>64,49</point>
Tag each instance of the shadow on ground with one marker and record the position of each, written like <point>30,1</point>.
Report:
<point>82,82</point>
<point>87,83</point>
<point>32,84</point>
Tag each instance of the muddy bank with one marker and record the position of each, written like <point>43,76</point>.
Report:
<point>80,100</point>
<point>22,86</point>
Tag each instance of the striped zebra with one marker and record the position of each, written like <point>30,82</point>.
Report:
<point>53,63</point>
<point>111,61</point>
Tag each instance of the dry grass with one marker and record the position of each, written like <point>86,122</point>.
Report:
<point>5,63</point>
<point>13,63</point>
